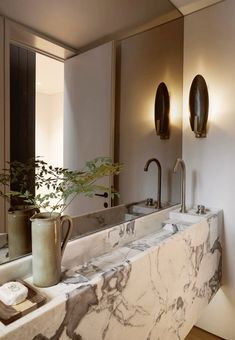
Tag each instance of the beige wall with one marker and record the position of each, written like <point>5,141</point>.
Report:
<point>49,127</point>
<point>209,49</point>
<point>144,61</point>
<point>2,142</point>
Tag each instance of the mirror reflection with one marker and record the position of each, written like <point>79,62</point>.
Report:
<point>101,103</point>
<point>36,108</point>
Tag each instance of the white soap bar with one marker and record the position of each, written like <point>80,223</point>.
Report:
<point>12,293</point>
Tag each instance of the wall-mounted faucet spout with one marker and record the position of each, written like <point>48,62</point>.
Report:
<point>180,162</point>
<point>158,203</point>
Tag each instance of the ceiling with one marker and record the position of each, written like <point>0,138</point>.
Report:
<point>85,23</point>
<point>189,6</point>
<point>79,23</point>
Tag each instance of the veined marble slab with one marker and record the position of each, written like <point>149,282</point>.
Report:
<point>98,222</point>
<point>84,248</point>
<point>152,288</point>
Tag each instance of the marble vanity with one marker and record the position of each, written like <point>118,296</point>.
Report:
<point>86,224</point>
<point>135,281</point>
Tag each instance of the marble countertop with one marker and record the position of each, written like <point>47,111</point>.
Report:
<point>153,287</point>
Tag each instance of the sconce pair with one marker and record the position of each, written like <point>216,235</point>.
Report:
<point>198,105</point>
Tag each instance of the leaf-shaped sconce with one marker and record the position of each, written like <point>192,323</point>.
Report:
<point>162,107</point>
<point>199,106</point>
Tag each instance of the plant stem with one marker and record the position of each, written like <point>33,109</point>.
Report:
<point>69,202</point>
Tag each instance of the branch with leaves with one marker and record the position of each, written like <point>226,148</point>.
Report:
<point>62,185</point>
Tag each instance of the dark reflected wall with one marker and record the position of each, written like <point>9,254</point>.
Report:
<point>143,61</point>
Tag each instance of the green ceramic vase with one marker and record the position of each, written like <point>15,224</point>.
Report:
<point>48,247</point>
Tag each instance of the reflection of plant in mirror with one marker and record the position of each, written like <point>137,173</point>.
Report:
<point>62,185</point>
<point>16,174</point>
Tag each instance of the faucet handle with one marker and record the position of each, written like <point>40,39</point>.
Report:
<point>150,202</point>
<point>201,210</point>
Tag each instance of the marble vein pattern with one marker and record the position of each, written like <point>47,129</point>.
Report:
<point>83,249</point>
<point>153,288</point>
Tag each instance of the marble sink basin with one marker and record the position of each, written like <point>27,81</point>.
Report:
<point>108,218</point>
<point>90,246</point>
<point>82,249</point>
<point>104,240</point>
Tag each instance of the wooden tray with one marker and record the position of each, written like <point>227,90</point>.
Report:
<point>34,300</point>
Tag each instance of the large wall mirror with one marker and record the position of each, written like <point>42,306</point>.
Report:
<point>101,103</point>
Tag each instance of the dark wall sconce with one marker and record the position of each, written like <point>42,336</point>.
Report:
<point>162,107</point>
<point>198,106</point>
